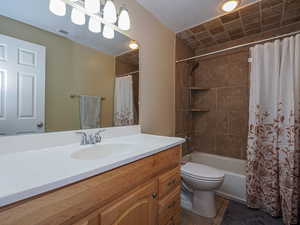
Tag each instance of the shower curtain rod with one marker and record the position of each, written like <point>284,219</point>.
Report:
<point>127,74</point>
<point>238,46</point>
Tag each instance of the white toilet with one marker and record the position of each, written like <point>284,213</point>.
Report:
<point>199,185</point>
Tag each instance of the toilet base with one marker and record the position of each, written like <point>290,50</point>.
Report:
<point>204,203</point>
<point>186,200</point>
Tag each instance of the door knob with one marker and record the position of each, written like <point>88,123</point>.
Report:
<point>40,125</point>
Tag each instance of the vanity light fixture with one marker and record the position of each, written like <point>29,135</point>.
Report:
<point>99,15</point>
<point>93,6</point>
<point>230,5</point>
<point>108,32</point>
<point>77,17</point>
<point>110,12</point>
<point>57,7</point>
<point>133,45</point>
<point>94,25</point>
<point>124,20</point>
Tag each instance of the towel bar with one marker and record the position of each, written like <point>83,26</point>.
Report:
<point>77,96</point>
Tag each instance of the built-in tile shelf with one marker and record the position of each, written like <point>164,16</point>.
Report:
<point>198,89</point>
<point>198,110</point>
<point>194,88</point>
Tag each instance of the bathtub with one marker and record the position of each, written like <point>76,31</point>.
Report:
<point>234,186</point>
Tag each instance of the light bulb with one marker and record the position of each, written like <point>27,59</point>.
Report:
<point>93,6</point>
<point>230,5</point>
<point>57,7</point>
<point>110,12</point>
<point>108,32</point>
<point>133,45</point>
<point>77,17</point>
<point>94,25</point>
<point>124,20</point>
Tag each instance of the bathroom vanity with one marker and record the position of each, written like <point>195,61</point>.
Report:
<point>139,187</point>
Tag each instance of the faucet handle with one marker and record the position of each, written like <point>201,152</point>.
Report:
<point>98,137</point>
<point>92,139</point>
<point>99,131</point>
<point>84,137</point>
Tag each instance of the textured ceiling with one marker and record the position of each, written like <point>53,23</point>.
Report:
<point>179,15</point>
<point>259,17</point>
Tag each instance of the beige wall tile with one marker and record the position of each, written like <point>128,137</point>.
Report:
<point>228,145</point>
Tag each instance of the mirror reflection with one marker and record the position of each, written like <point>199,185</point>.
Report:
<point>57,76</point>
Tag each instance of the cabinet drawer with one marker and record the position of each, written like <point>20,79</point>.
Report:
<point>169,206</point>
<point>168,159</point>
<point>169,181</point>
<point>176,220</point>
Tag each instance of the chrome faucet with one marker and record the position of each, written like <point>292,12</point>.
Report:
<point>98,136</point>
<point>84,138</point>
<point>91,139</point>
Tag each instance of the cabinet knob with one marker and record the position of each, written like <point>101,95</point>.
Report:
<point>154,195</point>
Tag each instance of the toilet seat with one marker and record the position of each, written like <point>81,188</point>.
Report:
<point>201,172</point>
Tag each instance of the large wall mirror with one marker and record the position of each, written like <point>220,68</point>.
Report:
<point>58,76</point>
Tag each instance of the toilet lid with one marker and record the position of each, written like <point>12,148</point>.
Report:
<point>201,171</point>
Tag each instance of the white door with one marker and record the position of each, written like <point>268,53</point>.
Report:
<point>22,86</point>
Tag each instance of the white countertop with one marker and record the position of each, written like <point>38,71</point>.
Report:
<point>28,173</point>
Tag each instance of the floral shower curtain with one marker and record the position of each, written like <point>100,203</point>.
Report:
<point>123,102</point>
<point>273,181</point>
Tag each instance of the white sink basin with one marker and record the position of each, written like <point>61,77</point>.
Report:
<point>102,151</point>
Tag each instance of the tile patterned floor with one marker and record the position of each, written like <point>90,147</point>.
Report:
<point>238,214</point>
<point>189,218</point>
<point>231,213</point>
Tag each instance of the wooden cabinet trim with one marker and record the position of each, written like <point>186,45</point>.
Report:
<point>169,181</point>
<point>169,206</point>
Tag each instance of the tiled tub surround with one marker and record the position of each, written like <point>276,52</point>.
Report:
<point>34,164</point>
<point>183,81</point>
<point>223,130</point>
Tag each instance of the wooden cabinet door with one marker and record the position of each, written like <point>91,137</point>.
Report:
<point>138,207</point>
